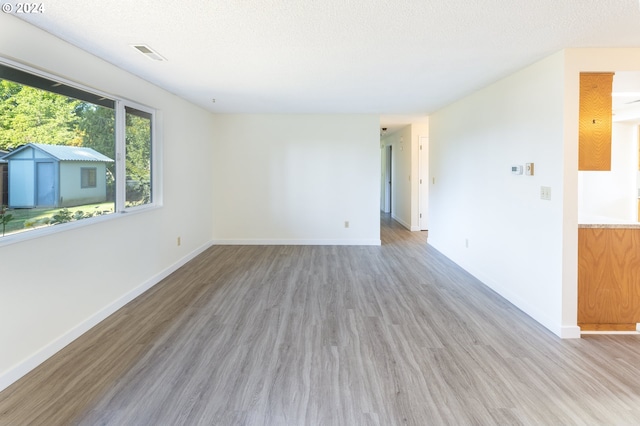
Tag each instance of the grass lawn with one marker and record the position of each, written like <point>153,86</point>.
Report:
<point>37,215</point>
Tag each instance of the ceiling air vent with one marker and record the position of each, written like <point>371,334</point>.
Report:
<point>148,52</point>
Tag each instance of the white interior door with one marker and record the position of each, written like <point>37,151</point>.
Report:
<point>387,177</point>
<point>423,193</point>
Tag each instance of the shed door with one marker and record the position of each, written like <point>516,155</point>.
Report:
<point>45,194</point>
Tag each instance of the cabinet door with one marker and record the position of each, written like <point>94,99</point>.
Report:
<point>595,121</point>
<point>608,278</point>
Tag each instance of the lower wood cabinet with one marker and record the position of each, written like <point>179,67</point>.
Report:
<point>608,278</point>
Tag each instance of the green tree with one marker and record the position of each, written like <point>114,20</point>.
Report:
<point>138,159</point>
<point>97,124</point>
<point>28,114</point>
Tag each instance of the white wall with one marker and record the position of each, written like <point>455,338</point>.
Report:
<point>296,179</point>
<point>523,247</point>
<point>55,287</point>
<point>514,238</point>
<point>612,194</point>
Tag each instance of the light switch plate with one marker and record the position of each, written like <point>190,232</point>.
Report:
<point>545,192</point>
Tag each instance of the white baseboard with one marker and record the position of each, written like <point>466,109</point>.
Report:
<point>569,332</point>
<point>401,222</point>
<point>564,332</point>
<point>16,372</point>
<point>355,242</point>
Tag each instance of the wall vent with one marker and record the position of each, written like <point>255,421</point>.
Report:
<point>148,52</point>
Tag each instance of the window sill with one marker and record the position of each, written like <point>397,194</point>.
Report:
<point>64,227</point>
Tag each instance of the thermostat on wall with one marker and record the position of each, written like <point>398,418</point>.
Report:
<point>516,170</point>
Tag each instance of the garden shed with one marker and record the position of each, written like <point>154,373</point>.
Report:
<point>56,176</point>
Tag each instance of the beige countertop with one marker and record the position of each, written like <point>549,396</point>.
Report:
<point>635,225</point>
<point>606,222</point>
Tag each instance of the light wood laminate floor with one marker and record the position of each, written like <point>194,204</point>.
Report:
<point>325,335</point>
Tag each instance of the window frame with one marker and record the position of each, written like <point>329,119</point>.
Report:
<point>120,103</point>
<point>121,124</point>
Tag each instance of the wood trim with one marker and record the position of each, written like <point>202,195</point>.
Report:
<point>607,327</point>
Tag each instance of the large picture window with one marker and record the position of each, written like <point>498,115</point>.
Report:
<point>69,153</point>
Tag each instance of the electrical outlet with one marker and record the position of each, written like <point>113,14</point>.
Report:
<point>346,223</point>
<point>466,243</point>
<point>179,241</point>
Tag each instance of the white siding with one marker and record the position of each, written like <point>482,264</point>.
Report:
<point>71,191</point>
<point>21,182</point>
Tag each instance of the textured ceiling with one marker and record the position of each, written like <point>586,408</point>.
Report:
<point>405,58</point>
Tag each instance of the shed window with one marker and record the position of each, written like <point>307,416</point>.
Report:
<point>88,177</point>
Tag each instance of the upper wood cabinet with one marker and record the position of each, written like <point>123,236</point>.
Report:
<point>595,121</point>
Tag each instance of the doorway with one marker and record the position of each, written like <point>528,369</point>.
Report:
<point>387,179</point>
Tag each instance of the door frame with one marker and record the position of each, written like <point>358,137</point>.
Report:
<point>423,183</point>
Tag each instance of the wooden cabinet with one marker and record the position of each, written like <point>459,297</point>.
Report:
<point>595,121</point>
<point>608,278</point>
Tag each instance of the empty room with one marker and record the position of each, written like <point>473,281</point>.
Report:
<point>330,213</point>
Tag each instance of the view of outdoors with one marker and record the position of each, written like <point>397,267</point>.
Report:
<point>138,149</point>
<point>57,157</point>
